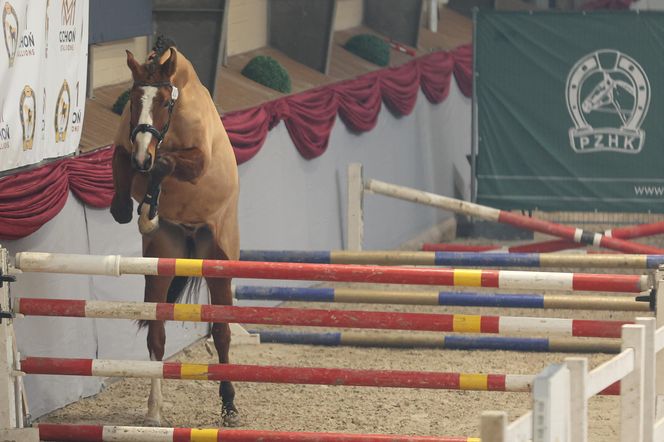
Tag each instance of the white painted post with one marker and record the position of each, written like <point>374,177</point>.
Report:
<point>11,404</point>
<point>355,220</point>
<point>493,426</point>
<point>578,372</point>
<point>631,386</point>
<point>433,15</point>
<point>659,358</point>
<point>7,392</point>
<point>551,405</point>
<point>648,378</point>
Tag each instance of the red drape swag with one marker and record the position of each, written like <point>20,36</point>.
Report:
<point>607,4</point>
<point>30,199</point>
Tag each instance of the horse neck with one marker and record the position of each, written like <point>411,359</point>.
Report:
<point>185,75</point>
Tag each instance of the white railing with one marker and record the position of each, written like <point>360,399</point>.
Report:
<point>561,393</point>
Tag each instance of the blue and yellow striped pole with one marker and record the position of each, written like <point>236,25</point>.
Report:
<point>433,297</point>
<point>457,259</point>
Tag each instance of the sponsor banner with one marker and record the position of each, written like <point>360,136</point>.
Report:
<point>43,70</point>
<point>571,110</point>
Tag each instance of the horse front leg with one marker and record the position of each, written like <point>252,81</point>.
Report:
<point>148,218</point>
<point>220,294</point>
<point>156,344</point>
<point>123,174</point>
<point>156,289</point>
<point>182,164</point>
<point>168,242</point>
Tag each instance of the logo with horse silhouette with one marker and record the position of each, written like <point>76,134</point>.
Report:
<point>27,111</point>
<point>10,29</point>
<point>62,108</point>
<point>607,96</point>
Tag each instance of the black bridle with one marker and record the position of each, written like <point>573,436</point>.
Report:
<point>148,128</point>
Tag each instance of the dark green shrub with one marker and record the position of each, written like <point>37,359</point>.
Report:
<point>268,72</point>
<point>119,104</point>
<point>370,47</point>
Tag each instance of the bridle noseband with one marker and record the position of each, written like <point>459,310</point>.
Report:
<point>148,128</point>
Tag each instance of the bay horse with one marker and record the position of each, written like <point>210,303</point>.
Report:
<point>173,156</point>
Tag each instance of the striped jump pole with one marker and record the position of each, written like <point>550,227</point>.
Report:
<point>286,375</point>
<point>114,265</point>
<point>433,297</point>
<point>435,340</point>
<point>110,433</point>
<point>501,216</point>
<point>318,318</point>
<point>627,232</point>
<point>537,247</point>
<point>457,259</point>
<point>278,375</point>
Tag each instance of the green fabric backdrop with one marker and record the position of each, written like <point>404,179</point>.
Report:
<point>570,110</point>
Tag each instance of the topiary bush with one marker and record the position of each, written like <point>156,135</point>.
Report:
<point>370,47</point>
<point>119,104</point>
<point>268,72</point>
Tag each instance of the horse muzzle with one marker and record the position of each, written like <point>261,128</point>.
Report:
<point>144,165</point>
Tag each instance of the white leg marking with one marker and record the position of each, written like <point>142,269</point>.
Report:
<point>153,418</point>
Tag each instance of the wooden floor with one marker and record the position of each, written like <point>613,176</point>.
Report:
<point>236,92</point>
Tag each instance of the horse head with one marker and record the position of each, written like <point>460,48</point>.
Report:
<point>601,95</point>
<point>151,99</point>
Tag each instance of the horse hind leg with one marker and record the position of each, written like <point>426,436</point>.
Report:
<point>221,294</point>
<point>168,242</point>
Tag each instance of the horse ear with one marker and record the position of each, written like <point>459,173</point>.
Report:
<point>168,68</point>
<point>133,64</point>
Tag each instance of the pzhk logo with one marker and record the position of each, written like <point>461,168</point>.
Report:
<point>608,95</point>
<point>27,111</point>
<point>10,28</point>
<point>67,35</point>
<point>62,113</point>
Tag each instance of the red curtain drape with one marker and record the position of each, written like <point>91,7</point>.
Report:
<point>30,199</point>
<point>606,4</point>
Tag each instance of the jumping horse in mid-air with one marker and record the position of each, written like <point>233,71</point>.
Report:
<point>173,156</point>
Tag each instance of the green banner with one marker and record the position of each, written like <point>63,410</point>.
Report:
<point>570,110</point>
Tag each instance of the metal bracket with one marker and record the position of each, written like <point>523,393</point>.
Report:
<point>6,278</point>
<point>651,299</point>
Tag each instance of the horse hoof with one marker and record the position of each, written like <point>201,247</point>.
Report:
<point>147,226</point>
<point>122,210</point>
<point>230,418</point>
<point>151,422</point>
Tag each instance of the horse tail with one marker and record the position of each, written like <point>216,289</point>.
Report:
<point>180,285</point>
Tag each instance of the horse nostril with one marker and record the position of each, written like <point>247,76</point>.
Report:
<point>148,162</point>
<point>143,166</point>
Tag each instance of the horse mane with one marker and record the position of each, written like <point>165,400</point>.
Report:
<point>162,44</point>
<point>159,54</point>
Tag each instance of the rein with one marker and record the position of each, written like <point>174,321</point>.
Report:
<point>148,128</point>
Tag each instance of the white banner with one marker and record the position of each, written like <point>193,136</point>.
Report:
<point>43,71</point>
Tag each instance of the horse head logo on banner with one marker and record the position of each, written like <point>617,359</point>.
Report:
<point>607,95</point>
<point>62,107</point>
<point>10,28</point>
<point>27,112</point>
